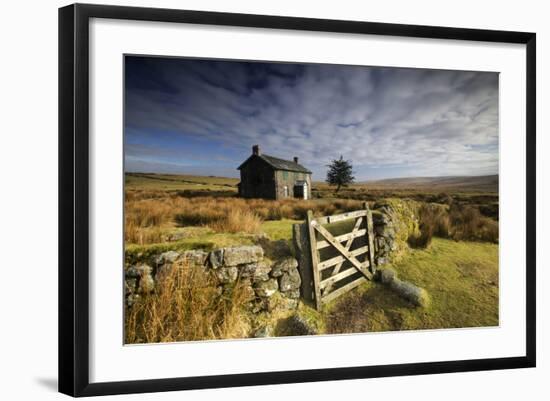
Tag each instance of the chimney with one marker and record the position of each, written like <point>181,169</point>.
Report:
<point>295,159</point>
<point>256,150</point>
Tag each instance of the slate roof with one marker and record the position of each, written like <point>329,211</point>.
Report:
<point>279,164</point>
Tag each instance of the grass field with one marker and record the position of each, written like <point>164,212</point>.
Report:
<point>461,278</point>
<point>486,183</point>
<point>181,212</point>
<point>171,182</point>
<point>465,186</point>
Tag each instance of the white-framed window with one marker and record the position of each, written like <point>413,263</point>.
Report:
<point>285,189</point>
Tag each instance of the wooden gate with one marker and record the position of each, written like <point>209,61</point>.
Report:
<point>342,252</point>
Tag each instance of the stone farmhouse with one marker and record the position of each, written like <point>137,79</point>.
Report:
<point>269,177</point>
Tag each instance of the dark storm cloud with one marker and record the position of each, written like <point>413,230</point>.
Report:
<point>389,121</point>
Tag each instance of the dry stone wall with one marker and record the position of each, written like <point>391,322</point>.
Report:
<point>394,220</point>
<point>262,277</point>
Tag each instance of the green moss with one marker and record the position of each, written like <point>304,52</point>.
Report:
<point>404,216</point>
<point>278,319</point>
<point>208,241</point>
<point>313,317</point>
<point>279,229</point>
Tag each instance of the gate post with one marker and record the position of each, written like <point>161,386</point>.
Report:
<point>300,239</point>
<point>314,260</point>
<point>370,238</point>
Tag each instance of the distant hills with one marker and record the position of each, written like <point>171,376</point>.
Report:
<point>482,183</point>
<point>487,183</point>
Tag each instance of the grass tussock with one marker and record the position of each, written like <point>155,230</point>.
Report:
<point>469,224</point>
<point>148,213</point>
<point>421,240</point>
<point>433,221</point>
<point>135,234</point>
<point>239,220</point>
<point>458,222</point>
<point>187,306</point>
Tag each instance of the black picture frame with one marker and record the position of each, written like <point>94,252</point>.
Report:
<point>74,200</point>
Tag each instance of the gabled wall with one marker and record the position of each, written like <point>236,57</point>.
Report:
<point>257,180</point>
<point>260,180</point>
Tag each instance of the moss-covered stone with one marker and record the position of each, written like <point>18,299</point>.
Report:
<point>395,220</point>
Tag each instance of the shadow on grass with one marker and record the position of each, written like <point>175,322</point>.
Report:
<point>294,326</point>
<point>375,309</point>
<point>275,249</point>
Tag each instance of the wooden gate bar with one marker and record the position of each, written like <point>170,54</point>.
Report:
<point>328,236</point>
<point>341,238</point>
<point>340,217</point>
<point>337,277</point>
<point>340,259</point>
<point>342,290</point>
<point>321,238</point>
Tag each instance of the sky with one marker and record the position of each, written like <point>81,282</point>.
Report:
<point>201,117</point>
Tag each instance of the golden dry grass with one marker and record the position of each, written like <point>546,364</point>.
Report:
<point>187,306</point>
<point>434,220</point>
<point>467,223</point>
<point>148,214</point>
<point>459,222</point>
<point>135,234</point>
<point>239,220</point>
